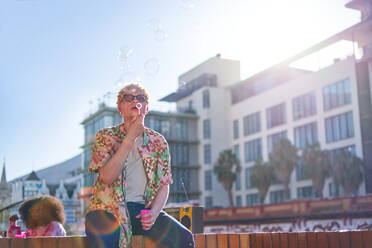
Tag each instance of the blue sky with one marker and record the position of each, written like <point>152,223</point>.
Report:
<point>57,57</point>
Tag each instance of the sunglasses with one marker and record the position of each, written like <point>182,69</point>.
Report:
<point>130,98</point>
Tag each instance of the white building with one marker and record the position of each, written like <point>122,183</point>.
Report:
<point>330,105</point>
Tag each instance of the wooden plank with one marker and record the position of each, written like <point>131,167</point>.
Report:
<point>79,242</point>
<point>33,242</point>
<point>321,238</point>
<point>275,240</point>
<point>259,240</point>
<point>137,241</point>
<point>222,241</point>
<point>292,240</point>
<point>65,242</point>
<point>356,239</point>
<point>199,240</point>
<point>5,242</point>
<point>333,239</point>
<point>367,238</point>
<point>49,242</point>
<point>302,240</point>
<point>244,239</point>
<point>234,240</point>
<point>311,240</point>
<point>211,241</point>
<point>344,238</point>
<point>149,243</point>
<point>283,240</point>
<point>266,237</point>
<point>18,243</point>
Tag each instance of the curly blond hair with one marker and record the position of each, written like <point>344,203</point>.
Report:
<point>130,86</point>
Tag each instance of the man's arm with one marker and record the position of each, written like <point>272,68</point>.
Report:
<point>158,204</point>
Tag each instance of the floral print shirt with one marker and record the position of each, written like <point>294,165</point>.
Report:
<point>112,197</point>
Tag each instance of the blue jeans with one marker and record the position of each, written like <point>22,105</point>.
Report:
<point>166,229</point>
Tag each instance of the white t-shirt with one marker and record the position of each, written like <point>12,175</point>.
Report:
<point>136,178</point>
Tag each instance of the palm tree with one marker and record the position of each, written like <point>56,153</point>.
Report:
<point>226,169</point>
<point>347,171</point>
<point>316,166</point>
<point>262,176</point>
<point>284,159</point>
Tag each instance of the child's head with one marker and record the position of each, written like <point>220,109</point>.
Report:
<point>13,218</point>
<point>41,210</point>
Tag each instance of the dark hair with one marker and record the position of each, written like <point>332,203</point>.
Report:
<point>41,210</point>
<point>14,217</point>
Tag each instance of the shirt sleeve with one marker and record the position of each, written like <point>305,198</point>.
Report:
<point>101,151</point>
<point>165,156</point>
<point>58,229</point>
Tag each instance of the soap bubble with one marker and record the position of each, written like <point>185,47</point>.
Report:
<point>151,66</point>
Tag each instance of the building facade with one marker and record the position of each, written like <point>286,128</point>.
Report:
<point>330,106</point>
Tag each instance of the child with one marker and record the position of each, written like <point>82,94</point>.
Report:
<point>43,216</point>
<point>13,228</point>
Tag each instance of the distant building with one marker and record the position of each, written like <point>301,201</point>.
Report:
<point>62,181</point>
<point>329,104</point>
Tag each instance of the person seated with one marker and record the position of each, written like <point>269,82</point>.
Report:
<point>13,228</point>
<point>43,216</point>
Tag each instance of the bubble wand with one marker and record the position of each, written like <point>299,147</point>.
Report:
<point>139,106</point>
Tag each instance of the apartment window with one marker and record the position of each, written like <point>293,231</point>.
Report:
<point>208,202</point>
<point>181,152</point>
<point>277,196</point>
<point>238,182</point>
<point>299,171</point>
<point>252,199</point>
<point>306,192</point>
<point>181,129</point>
<point>304,106</point>
<point>206,99</point>
<point>248,178</point>
<point>273,139</point>
<point>276,115</point>
<point>339,127</point>
<point>236,129</point>
<point>337,94</point>
<point>345,149</point>
<point>207,154</point>
<point>252,150</point>
<point>251,124</point>
<point>305,135</point>
<point>165,128</point>
<point>238,201</point>
<point>208,180</point>
<point>237,151</point>
<point>207,129</point>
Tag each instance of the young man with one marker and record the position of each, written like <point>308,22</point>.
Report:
<point>133,164</point>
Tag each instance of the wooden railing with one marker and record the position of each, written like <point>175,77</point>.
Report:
<point>342,239</point>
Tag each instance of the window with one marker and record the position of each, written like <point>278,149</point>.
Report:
<point>181,129</point>
<point>277,196</point>
<point>276,115</point>
<point>251,124</point>
<point>339,127</point>
<point>252,150</point>
<point>273,139</point>
<point>238,200</point>
<point>252,199</point>
<point>208,180</point>
<point>180,154</point>
<point>305,135</point>
<point>299,171</point>
<point>236,129</point>
<point>207,129</point>
<point>238,183</point>
<point>237,151</point>
<point>248,178</point>
<point>207,154</point>
<point>304,106</point>
<point>208,202</point>
<point>306,192</point>
<point>165,128</point>
<point>206,100</point>
<point>337,94</point>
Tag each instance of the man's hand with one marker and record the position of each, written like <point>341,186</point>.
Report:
<point>148,219</point>
<point>136,127</point>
